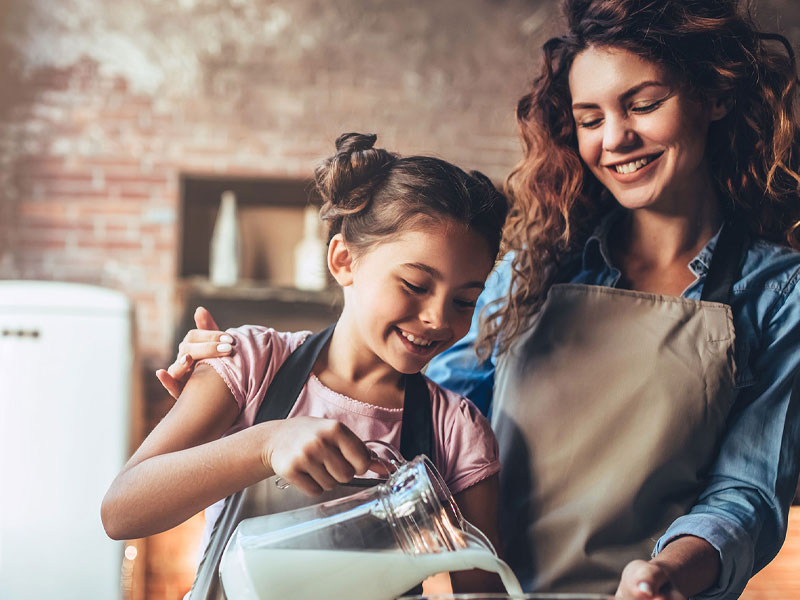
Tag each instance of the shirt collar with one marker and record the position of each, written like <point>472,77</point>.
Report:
<point>596,254</point>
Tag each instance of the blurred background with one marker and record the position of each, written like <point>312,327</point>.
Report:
<point>121,126</point>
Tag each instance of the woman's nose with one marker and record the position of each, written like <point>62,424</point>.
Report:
<point>617,134</point>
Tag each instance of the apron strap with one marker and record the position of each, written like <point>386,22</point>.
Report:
<point>292,375</point>
<point>726,262</point>
<point>416,433</point>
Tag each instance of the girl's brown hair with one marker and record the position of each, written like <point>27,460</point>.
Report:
<point>714,50</point>
<point>371,195</point>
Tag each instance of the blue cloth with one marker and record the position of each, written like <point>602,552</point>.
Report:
<point>743,510</point>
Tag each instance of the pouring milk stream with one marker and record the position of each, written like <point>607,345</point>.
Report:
<point>373,545</point>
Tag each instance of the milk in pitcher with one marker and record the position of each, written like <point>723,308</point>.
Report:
<point>279,573</point>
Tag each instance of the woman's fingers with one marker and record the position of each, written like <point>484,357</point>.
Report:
<point>173,387</point>
<point>181,368</point>
<point>642,580</point>
<point>204,320</point>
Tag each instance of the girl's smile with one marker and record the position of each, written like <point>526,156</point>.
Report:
<point>409,299</point>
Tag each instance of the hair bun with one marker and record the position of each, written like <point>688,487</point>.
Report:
<point>346,179</point>
<point>355,142</point>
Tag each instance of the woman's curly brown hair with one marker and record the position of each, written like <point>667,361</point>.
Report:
<point>713,48</point>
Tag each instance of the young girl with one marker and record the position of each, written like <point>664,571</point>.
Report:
<point>411,242</point>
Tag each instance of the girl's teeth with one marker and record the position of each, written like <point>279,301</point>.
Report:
<point>415,340</point>
<point>632,166</point>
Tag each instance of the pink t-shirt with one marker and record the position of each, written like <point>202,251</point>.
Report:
<point>465,446</point>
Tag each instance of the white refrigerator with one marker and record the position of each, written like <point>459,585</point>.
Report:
<point>66,377</point>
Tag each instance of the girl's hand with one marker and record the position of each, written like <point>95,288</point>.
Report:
<point>315,454</point>
<point>204,342</point>
<point>642,580</point>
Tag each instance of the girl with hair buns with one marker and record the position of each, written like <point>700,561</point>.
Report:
<point>411,242</point>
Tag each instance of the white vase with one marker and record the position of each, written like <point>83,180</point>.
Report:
<point>310,265</point>
<point>225,243</point>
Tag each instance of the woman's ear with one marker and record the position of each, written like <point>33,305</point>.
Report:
<point>340,261</point>
<point>720,107</point>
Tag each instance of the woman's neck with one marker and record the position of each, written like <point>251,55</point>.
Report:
<point>653,249</point>
<point>350,368</point>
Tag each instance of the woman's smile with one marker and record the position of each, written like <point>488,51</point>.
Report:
<point>642,137</point>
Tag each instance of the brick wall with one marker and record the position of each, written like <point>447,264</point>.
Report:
<point>104,104</point>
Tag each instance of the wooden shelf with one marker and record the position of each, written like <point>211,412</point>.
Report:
<point>258,291</point>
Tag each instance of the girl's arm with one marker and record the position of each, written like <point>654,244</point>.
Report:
<point>184,466</point>
<point>479,506</point>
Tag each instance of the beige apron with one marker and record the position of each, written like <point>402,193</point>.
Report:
<point>608,412</point>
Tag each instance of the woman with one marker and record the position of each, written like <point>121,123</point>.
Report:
<point>642,336</point>
<point>661,171</point>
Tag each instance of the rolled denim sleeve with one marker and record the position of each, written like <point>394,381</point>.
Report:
<point>743,511</point>
<point>458,368</point>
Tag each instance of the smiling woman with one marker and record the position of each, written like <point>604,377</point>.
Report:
<point>641,342</point>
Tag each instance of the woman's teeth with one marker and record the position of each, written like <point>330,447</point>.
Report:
<point>417,341</point>
<point>632,166</point>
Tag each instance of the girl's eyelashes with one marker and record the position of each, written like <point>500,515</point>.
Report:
<point>416,289</point>
<point>466,304</point>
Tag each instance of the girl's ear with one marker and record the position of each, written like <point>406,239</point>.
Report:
<point>340,261</point>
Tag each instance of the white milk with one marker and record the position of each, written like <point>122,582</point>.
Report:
<point>269,573</point>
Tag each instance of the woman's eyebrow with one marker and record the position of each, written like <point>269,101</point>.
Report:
<point>627,94</point>
<point>439,277</point>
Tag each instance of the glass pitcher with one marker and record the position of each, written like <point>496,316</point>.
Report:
<point>373,545</point>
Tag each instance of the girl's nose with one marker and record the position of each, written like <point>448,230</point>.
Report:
<point>433,314</point>
<point>617,134</point>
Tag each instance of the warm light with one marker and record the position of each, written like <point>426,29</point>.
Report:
<point>131,552</point>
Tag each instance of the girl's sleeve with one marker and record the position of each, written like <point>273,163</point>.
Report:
<point>458,368</point>
<point>744,510</point>
<point>250,364</point>
<point>467,448</point>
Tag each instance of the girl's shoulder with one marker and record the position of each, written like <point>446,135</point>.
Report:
<point>258,353</point>
<point>466,448</point>
<point>260,338</point>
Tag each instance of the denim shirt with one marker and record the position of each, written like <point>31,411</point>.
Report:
<point>743,510</point>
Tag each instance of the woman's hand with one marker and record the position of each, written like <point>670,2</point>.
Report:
<point>315,454</point>
<point>686,566</point>
<point>642,580</point>
<point>204,342</point>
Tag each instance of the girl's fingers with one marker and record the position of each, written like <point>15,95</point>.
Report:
<point>354,451</point>
<point>338,467</point>
<point>305,483</point>
<point>320,475</point>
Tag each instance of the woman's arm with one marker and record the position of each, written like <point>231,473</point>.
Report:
<point>742,514</point>
<point>479,506</point>
<point>184,466</point>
